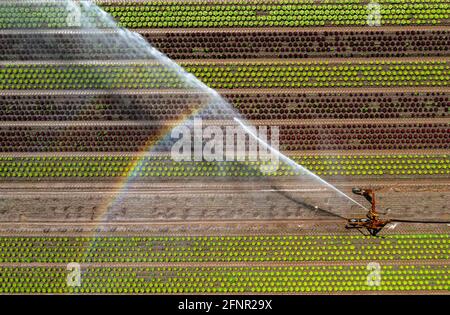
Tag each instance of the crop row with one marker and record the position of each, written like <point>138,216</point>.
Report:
<point>122,138</point>
<point>252,279</point>
<point>90,76</point>
<point>318,74</point>
<point>221,249</point>
<point>87,45</point>
<point>345,165</point>
<point>257,106</point>
<point>49,14</point>
<point>220,14</point>
<point>159,14</point>
<point>226,44</point>
<point>339,106</point>
<point>225,76</point>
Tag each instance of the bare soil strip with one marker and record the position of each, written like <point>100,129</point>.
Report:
<point>225,92</point>
<point>171,222</point>
<point>207,184</point>
<point>320,223</point>
<point>272,122</point>
<point>394,262</point>
<point>187,62</point>
<point>163,31</point>
<point>319,122</point>
<point>342,29</point>
<point>419,89</point>
<point>167,155</point>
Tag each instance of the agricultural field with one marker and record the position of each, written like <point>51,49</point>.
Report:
<point>280,264</point>
<point>356,92</point>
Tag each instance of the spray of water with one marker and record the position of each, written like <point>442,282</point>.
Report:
<point>137,40</point>
<point>98,29</point>
<point>292,163</point>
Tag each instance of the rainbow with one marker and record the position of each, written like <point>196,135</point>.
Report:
<point>121,185</point>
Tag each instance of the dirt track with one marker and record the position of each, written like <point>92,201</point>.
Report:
<point>229,91</point>
<point>291,153</point>
<point>295,29</point>
<point>237,30</point>
<point>272,122</point>
<point>229,201</point>
<point>187,62</point>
